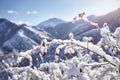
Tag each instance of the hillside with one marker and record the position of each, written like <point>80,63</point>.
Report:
<point>20,37</point>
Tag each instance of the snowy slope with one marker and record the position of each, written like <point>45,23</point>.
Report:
<point>21,37</point>
<point>36,35</point>
<point>112,18</point>
<point>20,42</point>
<point>83,25</point>
<point>63,29</point>
<point>25,38</point>
<point>7,30</point>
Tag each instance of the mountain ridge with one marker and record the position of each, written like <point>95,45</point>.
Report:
<point>52,22</point>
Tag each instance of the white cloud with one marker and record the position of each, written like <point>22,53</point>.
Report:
<point>34,12</point>
<point>10,11</point>
<point>31,12</point>
<point>28,12</point>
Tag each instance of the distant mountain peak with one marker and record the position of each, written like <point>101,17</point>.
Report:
<point>54,19</point>
<point>52,22</point>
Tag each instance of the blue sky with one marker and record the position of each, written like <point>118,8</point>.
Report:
<point>33,12</point>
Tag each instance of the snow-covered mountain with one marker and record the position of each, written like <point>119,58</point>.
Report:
<point>56,27</point>
<point>21,37</point>
<point>81,27</point>
<point>112,18</point>
<point>52,22</point>
<point>62,30</point>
